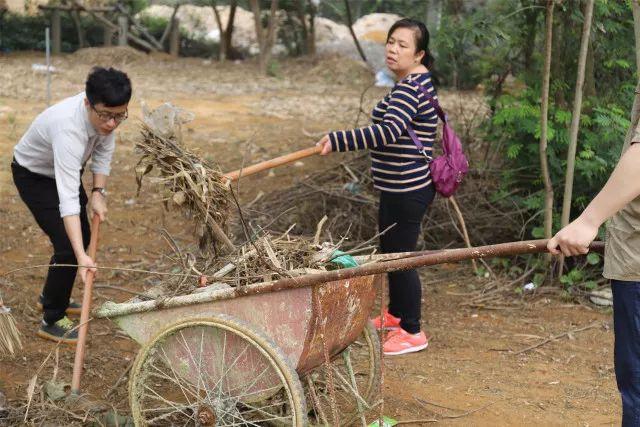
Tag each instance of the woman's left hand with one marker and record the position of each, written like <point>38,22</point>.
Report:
<point>325,143</point>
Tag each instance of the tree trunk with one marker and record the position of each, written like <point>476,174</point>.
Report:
<point>311,41</point>
<point>302,17</point>
<point>353,34</point>
<point>530,27</point>
<point>137,26</point>
<point>575,120</point>
<point>635,111</point>
<point>222,54</point>
<point>75,16</point>
<point>265,41</point>
<point>635,4</point>
<point>174,38</point>
<point>167,30</point>
<point>557,61</point>
<point>544,111</point>
<point>228,31</point>
<point>590,74</point>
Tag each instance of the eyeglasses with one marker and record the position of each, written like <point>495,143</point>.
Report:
<point>106,116</point>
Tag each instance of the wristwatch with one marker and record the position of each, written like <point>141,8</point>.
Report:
<point>100,190</point>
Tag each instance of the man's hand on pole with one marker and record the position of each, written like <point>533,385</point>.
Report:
<point>99,205</point>
<point>85,260</point>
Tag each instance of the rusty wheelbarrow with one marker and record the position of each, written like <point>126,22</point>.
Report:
<point>221,358</point>
<point>251,355</point>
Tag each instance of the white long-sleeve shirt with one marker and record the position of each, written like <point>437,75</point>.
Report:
<point>59,143</point>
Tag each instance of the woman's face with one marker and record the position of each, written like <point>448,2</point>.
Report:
<point>400,51</point>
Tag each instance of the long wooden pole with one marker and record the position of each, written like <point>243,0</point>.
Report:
<point>86,307</point>
<point>409,262</point>
<point>268,164</point>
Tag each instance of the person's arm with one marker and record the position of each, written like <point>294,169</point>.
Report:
<point>101,166</point>
<point>622,187</point>
<point>67,160</point>
<point>402,108</point>
<point>98,202</point>
<point>74,232</point>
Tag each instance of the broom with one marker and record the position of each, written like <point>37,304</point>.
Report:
<point>9,333</point>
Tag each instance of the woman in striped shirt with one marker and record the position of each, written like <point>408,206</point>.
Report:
<point>400,171</point>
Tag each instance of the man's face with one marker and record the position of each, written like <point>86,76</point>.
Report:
<point>105,119</point>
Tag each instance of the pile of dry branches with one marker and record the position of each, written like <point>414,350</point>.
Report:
<point>189,183</point>
<point>264,258</point>
<point>345,194</point>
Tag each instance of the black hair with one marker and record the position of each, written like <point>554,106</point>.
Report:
<point>421,36</point>
<point>108,86</point>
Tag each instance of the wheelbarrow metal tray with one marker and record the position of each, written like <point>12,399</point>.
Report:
<point>295,319</point>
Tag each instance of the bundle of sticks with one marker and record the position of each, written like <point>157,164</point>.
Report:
<point>196,187</point>
<point>264,258</point>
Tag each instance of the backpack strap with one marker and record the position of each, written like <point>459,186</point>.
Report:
<point>439,112</point>
<point>434,102</point>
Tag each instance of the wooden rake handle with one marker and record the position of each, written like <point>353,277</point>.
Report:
<point>269,164</point>
<point>86,308</point>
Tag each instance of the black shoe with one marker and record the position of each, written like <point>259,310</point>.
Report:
<point>73,309</point>
<point>64,330</point>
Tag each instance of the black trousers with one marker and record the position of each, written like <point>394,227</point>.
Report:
<point>406,210</point>
<point>626,326</point>
<point>40,195</point>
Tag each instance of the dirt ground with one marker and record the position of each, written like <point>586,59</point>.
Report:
<point>469,375</point>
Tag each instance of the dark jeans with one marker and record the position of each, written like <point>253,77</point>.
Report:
<point>626,325</point>
<point>406,210</point>
<point>40,195</point>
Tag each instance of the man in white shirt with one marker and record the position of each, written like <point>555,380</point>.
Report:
<point>47,168</point>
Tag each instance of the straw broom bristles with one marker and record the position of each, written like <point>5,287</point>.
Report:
<point>9,334</point>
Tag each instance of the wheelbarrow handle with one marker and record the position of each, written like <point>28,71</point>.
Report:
<point>83,327</point>
<point>408,263</point>
<point>539,244</point>
<point>269,164</point>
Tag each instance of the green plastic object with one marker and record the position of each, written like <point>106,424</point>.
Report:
<point>386,422</point>
<point>343,260</point>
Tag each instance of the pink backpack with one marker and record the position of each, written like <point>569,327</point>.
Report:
<point>447,170</point>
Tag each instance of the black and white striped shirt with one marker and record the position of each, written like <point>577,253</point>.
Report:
<point>396,164</point>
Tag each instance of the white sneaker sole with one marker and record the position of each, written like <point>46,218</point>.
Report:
<point>407,350</point>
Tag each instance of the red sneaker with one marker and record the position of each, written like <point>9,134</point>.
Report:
<point>402,342</point>
<point>391,322</point>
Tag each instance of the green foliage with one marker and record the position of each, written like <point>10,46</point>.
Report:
<point>18,32</point>
<point>516,125</point>
<point>154,24</point>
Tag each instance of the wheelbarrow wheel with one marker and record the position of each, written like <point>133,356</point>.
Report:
<point>356,379</point>
<point>214,372</point>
